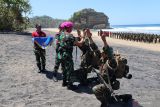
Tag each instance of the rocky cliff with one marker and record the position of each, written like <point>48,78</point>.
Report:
<point>91,19</point>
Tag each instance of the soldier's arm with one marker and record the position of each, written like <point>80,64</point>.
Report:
<point>106,48</point>
<point>79,43</point>
<point>78,33</point>
<point>103,37</point>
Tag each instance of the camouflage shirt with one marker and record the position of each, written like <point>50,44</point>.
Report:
<point>65,45</point>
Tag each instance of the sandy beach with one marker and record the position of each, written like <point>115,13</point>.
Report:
<point>147,46</point>
<point>22,86</point>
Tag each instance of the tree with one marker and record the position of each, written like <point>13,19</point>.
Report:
<point>45,21</point>
<point>13,14</point>
<point>75,17</point>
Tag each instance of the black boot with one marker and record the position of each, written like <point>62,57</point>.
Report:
<point>39,67</point>
<point>104,105</point>
<point>55,76</point>
<point>43,68</point>
<point>64,83</point>
<point>70,86</point>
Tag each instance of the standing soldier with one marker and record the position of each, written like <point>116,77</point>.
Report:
<point>39,52</point>
<point>65,49</point>
<point>57,61</point>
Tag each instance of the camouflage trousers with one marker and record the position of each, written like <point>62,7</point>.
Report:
<point>57,63</point>
<point>102,93</point>
<point>40,58</point>
<point>81,75</point>
<point>68,70</point>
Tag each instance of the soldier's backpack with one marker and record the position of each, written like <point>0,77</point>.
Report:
<point>118,67</point>
<point>122,67</point>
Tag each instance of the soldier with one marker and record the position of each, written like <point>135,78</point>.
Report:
<point>65,49</point>
<point>106,62</point>
<point>57,61</point>
<point>39,52</point>
<point>91,56</point>
<point>111,67</point>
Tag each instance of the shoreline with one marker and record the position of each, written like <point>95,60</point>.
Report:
<point>96,38</point>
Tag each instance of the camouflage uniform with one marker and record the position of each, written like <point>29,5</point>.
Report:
<point>57,61</point>
<point>39,52</point>
<point>64,56</point>
<point>90,58</point>
<point>101,92</point>
<point>118,69</point>
<point>40,57</point>
<point>90,55</point>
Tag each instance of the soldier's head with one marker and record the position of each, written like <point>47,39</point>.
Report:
<point>60,27</point>
<point>67,26</point>
<point>38,27</point>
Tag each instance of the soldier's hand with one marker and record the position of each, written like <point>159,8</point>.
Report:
<point>88,33</point>
<point>78,32</point>
<point>103,37</point>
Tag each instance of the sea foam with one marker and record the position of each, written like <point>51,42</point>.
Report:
<point>136,29</point>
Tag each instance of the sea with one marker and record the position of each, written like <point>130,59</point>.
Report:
<point>138,28</point>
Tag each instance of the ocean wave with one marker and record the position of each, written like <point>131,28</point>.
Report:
<point>152,30</point>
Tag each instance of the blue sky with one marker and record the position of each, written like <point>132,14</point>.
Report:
<point>120,12</point>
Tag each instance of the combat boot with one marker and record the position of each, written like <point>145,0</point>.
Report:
<point>64,83</point>
<point>43,68</point>
<point>39,67</point>
<point>104,105</point>
<point>70,86</point>
<point>55,76</point>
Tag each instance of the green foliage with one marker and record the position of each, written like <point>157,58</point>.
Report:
<point>45,21</point>
<point>75,16</point>
<point>13,14</point>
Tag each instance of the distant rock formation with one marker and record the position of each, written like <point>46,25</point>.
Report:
<point>91,19</point>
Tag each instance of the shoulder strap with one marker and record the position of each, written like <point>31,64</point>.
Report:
<point>76,54</point>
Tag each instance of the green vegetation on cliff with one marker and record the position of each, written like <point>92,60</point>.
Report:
<point>90,18</point>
